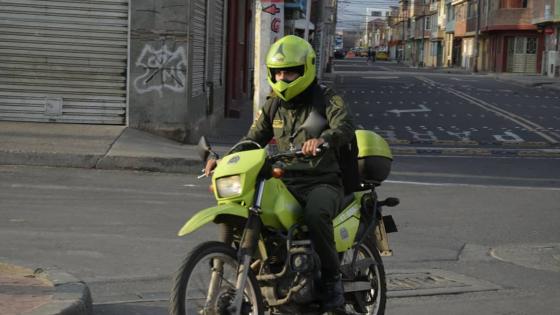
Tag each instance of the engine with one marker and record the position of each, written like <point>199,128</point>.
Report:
<point>292,273</point>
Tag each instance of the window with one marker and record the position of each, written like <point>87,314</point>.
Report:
<point>450,12</point>
<point>428,23</point>
<point>513,4</point>
<point>471,10</point>
<point>531,45</point>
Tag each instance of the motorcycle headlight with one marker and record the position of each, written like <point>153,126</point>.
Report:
<point>228,186</point>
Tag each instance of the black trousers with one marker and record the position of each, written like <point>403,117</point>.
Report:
<point>321,203</point>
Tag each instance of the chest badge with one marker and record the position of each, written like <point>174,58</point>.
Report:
<point>278,123</point>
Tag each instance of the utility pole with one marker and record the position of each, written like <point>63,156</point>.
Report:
<point>269,26</point>
<point>476,37</point>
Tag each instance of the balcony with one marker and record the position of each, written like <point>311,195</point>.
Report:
<point>434,7</point>
<point>509,19</point>
<point>543,13</point>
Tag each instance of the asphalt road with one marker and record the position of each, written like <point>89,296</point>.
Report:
<point>476,234</point>
<point>116,230</point>
<point>418,106</point>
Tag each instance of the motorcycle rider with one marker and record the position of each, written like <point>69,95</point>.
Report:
<point>315,181</point>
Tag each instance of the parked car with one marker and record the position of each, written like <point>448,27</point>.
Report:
<point>339,54</point>
<point>381,55</point>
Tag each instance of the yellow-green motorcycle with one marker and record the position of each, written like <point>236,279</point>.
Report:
<point>265,262</point>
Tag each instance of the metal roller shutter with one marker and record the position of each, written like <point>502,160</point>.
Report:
<point>198,24</point>
<point>219,37</point>
<point>63,61</point>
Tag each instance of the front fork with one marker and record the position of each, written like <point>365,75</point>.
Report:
<point>247,249</point>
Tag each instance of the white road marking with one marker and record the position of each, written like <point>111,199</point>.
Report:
<point>533,127</point>
<point>470,185</point>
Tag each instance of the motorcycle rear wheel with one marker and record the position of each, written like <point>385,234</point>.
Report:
<point>191,285</point>
<point>375,299</point>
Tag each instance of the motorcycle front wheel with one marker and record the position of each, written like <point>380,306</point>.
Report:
<point>205,283</point>
<point>375,299</point>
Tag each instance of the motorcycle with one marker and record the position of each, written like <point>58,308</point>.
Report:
<point>264,261</point>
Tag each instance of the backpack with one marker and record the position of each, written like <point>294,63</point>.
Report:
<point>347,154</point>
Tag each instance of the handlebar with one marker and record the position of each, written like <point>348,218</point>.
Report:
<point>298,153</point>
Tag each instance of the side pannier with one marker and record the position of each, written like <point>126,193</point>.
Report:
<point>374,157</point>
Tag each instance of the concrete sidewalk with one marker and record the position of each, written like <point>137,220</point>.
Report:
<point>528,80</point>
<point>93,146</point>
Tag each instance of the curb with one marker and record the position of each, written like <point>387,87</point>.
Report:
<point>97,161</point>
<point>70,297</point>
<point>150,164</point>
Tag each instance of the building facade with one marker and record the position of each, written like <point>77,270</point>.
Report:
<point>518,36</point>
<point>164,67</point>
<point>546,16</point>
<point>514,43</point>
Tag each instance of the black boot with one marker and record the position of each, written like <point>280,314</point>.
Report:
<point>333,298</point>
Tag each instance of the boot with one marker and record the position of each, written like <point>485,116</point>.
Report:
<point>333,291</point>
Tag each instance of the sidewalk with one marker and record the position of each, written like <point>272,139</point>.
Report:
<point>93,146</point>
<point>528,80</point>
<point>40,292</point>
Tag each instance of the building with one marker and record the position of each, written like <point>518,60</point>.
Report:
<point>174,68</point>
<point>375,25</point>
<point>546,16</point>
<point>512,43</point>
<point>449,37</point>
<point>436,19</point>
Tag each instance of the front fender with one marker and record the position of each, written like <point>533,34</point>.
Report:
<point>209,214</point>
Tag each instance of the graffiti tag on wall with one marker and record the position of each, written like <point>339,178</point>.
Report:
<point>275,9</point>
<point>164,69</point>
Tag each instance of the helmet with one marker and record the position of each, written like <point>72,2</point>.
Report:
<point>291,52</point>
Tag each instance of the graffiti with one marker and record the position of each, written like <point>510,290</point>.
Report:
<point>275,25</point>
<point>272,9</point>
<point>163,70</point>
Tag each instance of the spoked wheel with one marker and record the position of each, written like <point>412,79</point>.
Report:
<point>371,302</point>
<point>205,283</point>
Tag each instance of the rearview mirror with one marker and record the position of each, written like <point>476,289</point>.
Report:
<point>313,125</point>
<point>204,148</point>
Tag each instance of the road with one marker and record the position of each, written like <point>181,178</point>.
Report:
<point>477,234</point>
<point>427,107</point>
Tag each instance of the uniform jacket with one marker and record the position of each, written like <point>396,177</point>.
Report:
<point>288,118</point>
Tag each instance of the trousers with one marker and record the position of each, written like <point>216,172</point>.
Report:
<point>321,204</point>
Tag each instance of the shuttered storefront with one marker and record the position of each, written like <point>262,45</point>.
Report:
<point>63,61</point>
<point>219,43</point>
<point>208,45</point>
<point>522,54</point>
<point>198,25</point>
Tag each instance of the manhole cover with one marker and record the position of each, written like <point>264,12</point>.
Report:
<point>535,256</point>
<point>433,282</point>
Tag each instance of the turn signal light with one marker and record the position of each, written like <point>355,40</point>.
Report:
<point>277,172</point>
<point>211,188</point>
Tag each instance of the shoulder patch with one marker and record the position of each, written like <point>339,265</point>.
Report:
<point>337,101</point>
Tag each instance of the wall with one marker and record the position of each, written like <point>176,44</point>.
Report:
<point>161,72</point>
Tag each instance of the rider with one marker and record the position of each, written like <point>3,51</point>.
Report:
<point>315,182</point>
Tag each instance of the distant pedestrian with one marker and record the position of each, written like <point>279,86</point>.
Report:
<point>370,55</point>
